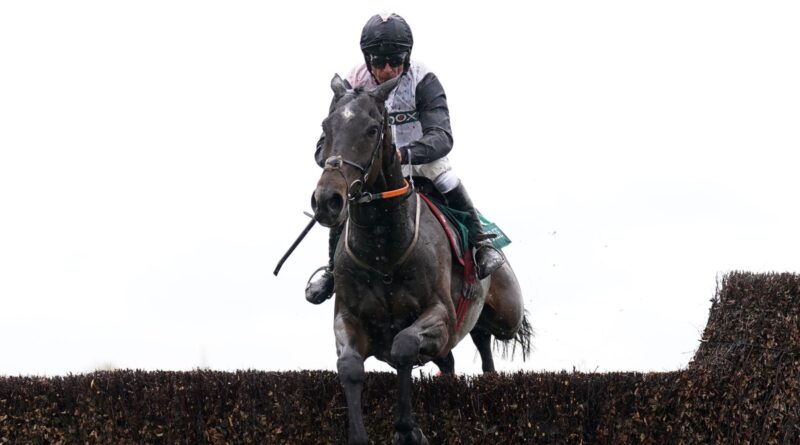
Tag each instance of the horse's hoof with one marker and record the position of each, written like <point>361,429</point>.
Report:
<point>413,437</point>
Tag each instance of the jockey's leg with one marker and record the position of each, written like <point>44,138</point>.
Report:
<point>322,289</point>
<point>487,257</point>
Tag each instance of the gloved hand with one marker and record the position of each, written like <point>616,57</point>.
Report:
<point>402,153</point>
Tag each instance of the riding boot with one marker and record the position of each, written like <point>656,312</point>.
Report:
<point>322,289</point>
<point>487,257</point>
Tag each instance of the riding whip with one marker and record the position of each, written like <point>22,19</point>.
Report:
<point>294,245</point>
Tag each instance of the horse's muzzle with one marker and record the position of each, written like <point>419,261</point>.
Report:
<point>328,205</point>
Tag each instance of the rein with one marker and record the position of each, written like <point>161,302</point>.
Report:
<point>369,197</point>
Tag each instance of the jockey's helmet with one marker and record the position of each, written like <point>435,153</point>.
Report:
<point>386,34</point>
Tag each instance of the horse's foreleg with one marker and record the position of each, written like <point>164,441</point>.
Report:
<point>351,348</point>
<point>428,335</point>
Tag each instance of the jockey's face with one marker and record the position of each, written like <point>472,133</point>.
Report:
<point>386,72</point>
<point>386,67</point>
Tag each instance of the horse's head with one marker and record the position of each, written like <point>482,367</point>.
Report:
<point>357,139</point>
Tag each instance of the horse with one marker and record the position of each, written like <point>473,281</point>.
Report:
<point>397,284</point>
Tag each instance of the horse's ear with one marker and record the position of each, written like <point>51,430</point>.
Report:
<point>383,90</point>
<point>338,87</point>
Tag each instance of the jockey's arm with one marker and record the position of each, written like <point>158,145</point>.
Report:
<point>437,139</point>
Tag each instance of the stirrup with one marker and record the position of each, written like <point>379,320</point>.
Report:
<point>326,290</point>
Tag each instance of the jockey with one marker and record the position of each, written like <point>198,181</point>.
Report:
<point>420,122</point>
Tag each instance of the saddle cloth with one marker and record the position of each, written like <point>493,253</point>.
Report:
<point>459,222</point>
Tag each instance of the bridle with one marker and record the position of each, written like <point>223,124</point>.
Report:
<point>355,191</point>
<point>356,195</point>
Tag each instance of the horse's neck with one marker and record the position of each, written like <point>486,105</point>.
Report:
<point>380,234</point>
<point>383,229</point>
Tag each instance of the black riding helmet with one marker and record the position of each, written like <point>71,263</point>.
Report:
<point>386,34</point>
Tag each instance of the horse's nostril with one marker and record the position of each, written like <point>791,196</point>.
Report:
<point>335,204</point>
<point>313,202</point>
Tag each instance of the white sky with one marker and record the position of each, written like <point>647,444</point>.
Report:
<point>156,157</point>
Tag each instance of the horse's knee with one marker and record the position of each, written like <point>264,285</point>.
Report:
<point>351,369</point>
<point>405,349</point>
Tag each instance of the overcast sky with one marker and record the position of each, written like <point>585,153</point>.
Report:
<point>156,158</point>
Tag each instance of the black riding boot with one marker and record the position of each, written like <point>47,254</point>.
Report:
<point>322,289</point>
<point>487,258</point>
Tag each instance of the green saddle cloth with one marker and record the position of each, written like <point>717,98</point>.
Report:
<point>461,220</point>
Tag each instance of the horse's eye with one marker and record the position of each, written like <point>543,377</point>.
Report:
<point>372,132</point>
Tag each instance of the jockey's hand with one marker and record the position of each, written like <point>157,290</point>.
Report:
<point>402,155</point>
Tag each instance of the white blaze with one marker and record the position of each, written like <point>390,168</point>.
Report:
<point>347,113</point>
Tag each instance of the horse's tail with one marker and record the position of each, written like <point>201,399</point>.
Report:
<point>522,340</point>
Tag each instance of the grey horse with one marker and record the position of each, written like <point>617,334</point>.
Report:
<point>398,285</point>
